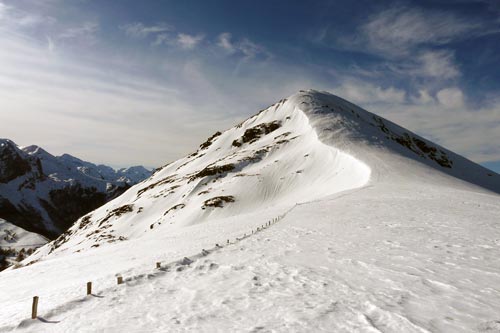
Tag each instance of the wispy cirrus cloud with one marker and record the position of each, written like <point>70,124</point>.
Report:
<point>395,32</point>
<point>363,92</point>
<point>187,41</point>
<point>162,34</point>
<point>86,31</point>
<point>244,46</point>
<point>140,30</point>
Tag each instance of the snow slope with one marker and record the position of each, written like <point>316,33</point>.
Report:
<point>378,230</point>
<point>16,244</point>
<point>18,238</point>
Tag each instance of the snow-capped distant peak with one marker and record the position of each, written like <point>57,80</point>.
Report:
<point>46,193</point>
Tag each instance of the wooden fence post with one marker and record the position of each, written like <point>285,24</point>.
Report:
<point>89,288</point>
<point>119,280</point>
<point>34,308</point>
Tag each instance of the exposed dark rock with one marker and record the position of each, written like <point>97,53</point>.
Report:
<point>210,140</point>
<point>12,165</point>
<point>212,170</point>
<point>179,206</point>
<point>254,133</point>
<point>117,212</point>
<point>169,179</point>
<point>218,201</point>
<point>416,145</point>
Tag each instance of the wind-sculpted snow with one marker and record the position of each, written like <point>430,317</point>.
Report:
<point>380,230</point>
<point>273,159</point>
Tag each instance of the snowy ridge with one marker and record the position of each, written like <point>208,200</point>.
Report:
<point>384,231</point>
<point>274,159</point>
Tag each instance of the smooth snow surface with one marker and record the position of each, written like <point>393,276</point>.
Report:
<point>379,230</point>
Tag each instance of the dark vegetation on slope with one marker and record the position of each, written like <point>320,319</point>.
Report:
<point>179,206</point>
<point>167,180</point>
<point>416,145</point>
<point>210,140</point>
<point>10,256</point>
<point>254,133</point>
<point>68,204</point>
<point>117,212</point>
<point>213,170</point>
<point>218,201</point>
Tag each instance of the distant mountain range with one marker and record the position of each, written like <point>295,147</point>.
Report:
<point>45,194</point>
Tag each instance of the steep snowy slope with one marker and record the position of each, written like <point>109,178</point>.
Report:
<point>274,159</point>
<point>296,151</point>
<point>46,194</point>
<point>378,230</point>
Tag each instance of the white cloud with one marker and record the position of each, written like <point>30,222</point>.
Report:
<point>160,39</point>
<point>50,44</point>
<point>438,64</point>
<point>366,93</point>
<point>139,30</point>
<point>86,31</point>
<point>121,109</point>
<point>397,31</point>
<point>13,17</point>
<point>424,97</point>
<point>247,48</point>
<point>187,41</point>
<point>451,98</point>
<point>224,41</point>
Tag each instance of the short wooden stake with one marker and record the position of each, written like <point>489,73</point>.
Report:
<point>34,308</point>
<point>119,280</point>
<point>228,241</point>
<point>89,288</point>
<point>158,265</point>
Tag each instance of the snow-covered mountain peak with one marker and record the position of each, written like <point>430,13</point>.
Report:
<point>303,148</point>
<point>376,226</point>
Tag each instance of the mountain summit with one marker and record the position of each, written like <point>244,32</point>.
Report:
<point>314,215</point>
<point>303,148</point>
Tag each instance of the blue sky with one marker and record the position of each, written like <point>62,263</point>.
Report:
<point>144,82</point>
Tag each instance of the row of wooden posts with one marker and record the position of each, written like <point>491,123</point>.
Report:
<point>119,279</point>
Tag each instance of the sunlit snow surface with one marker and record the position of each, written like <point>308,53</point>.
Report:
<point>374,238</point>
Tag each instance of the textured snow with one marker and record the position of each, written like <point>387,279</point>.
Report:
<point>22,238</point>
<point>374,235</point>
